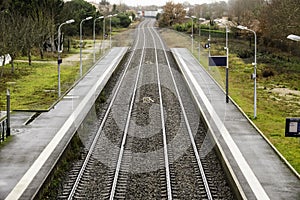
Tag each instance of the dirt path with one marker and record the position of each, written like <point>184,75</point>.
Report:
<point>86,54</point>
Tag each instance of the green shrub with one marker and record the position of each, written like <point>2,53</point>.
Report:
<point>267,73</point>
<point>245,53</point>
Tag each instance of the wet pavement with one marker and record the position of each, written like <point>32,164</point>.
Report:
<point>261,172</point>
<point>33,149</point>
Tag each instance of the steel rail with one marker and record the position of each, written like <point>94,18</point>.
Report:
<point>168,178</point>
<point>71,195</point>
<point>205,182</point>
<point>121,153</point>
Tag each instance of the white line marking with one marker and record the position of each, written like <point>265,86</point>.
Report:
<point>40,161</point>
<point>252,180</point>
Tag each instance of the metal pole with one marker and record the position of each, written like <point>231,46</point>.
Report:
<point>192,35</point>
<point>199,40</point>
<point>200,19</point>
<point>110,32</point>
<point>58,60</point>
<point>254,76</point>
<point>103,34</point>
<point>7,113</point>
<point>94,37</point>
<point>94,56</point>
<point>58,52</point>
<point>227,58</point>
<point>254,64</point>
<point>209,39</point>
<point>227,64</point>
<point>80,44</point>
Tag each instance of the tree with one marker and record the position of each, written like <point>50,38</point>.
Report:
<point>53,9</point>
<point>104,3</point>
<point>78,10</point>
<point>210,11</point>
<point>13,30</point>
<point>34,21</point>
<point>245,11</point>
<point>104,7</point>
<point>124,20</point>
<point>285,15</point>
<point>173,13</point>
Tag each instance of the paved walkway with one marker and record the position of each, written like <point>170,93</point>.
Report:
<point>261,172</point>
<point>25,161</point>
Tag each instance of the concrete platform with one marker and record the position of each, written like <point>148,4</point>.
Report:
<point>28,157</point>
<point>260,170</point>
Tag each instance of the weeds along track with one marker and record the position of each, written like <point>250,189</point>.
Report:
<point>146,144</point>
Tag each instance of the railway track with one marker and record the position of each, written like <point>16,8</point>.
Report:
<point>148,142</point>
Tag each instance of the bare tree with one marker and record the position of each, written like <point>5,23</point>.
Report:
<point>12,32</point>
<point>26,25</point>
<point>173,13</point>
<point>284,17</point>
<point>245,11</point>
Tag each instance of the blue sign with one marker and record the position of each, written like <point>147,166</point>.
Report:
<point>292,127</point>
<point>217,60</point>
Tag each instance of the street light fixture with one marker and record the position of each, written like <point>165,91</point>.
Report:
<point>192,18</point>
<point>110,16</point>
<point>294,37</point>
<point>227,60</point>
<point>59,61</point>
<point>254,64</point>
<point>103,37</point>
<point>81,42</point>
<point>94,37</point>
<point>200,20</point>
<point>209,38</point>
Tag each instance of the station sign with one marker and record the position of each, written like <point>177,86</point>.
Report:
<point>292,127</point>
<point>217,61</point>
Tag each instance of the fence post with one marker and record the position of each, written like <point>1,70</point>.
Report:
<point>7,113</point>
<point>2,132</point>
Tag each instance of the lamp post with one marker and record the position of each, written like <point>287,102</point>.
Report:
<point>254,64</point>
<point>103,35</point>
<point>200,20</point>
<point>94,37</point>
<point>7,113</point>
<point>293,37</point>
<point>59,51</point>
<point>208,40</point>
<point>192,18</point>
<point>227,59</point>
<point>81,42</point>
<point>110,16</point>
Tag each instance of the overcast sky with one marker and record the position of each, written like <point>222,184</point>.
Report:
<point>153,2</point>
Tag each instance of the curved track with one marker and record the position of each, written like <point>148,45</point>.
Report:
<point>148,142</point>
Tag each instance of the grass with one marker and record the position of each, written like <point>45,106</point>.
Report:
<point>272,108</point>
<point>35,87</point>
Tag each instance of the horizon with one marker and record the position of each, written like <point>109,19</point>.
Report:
<point>154,2</point>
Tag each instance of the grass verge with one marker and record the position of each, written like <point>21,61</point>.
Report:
<point>273,106</point>
<point>35,87</point>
